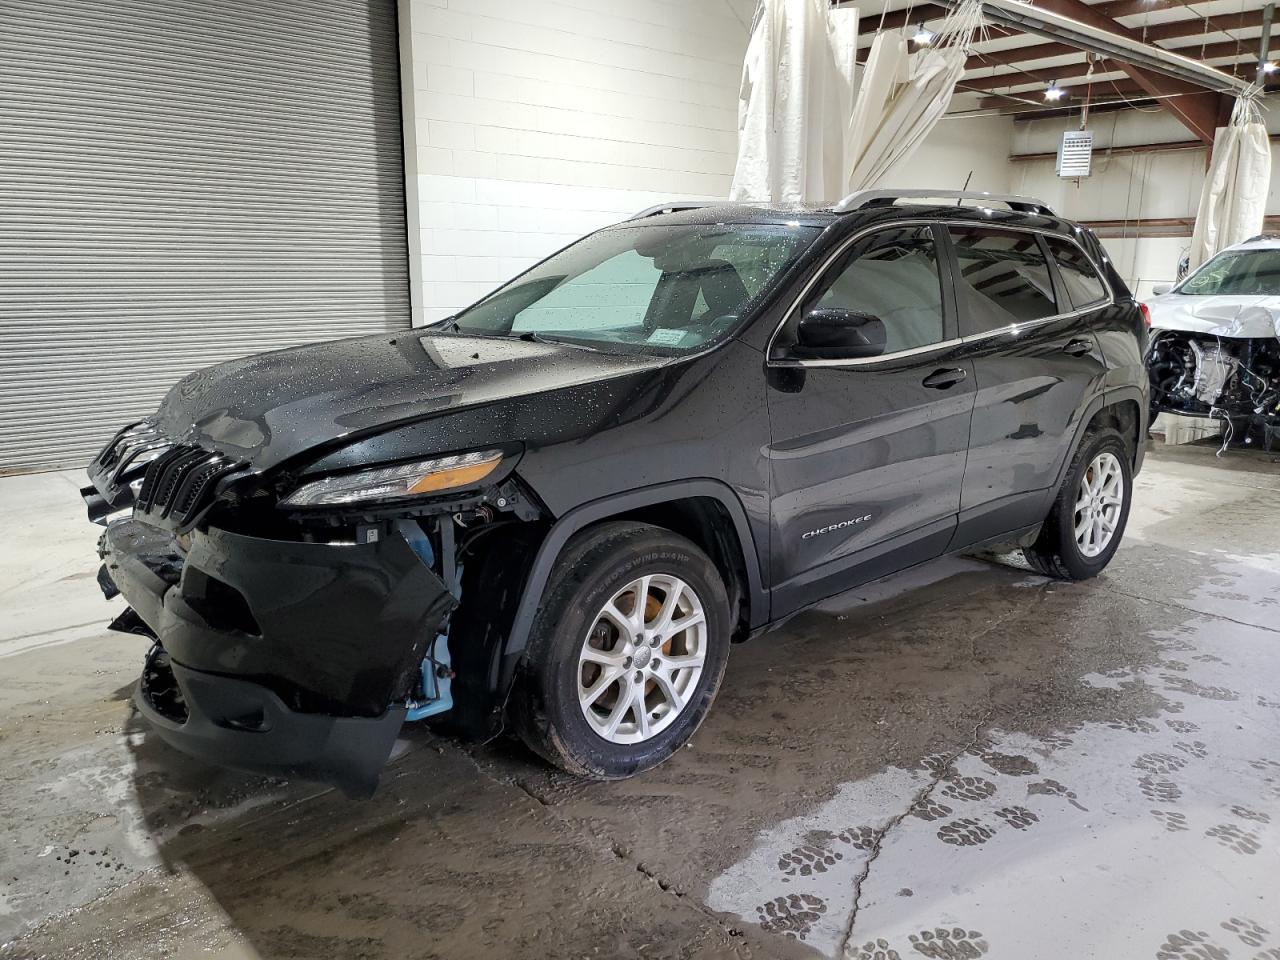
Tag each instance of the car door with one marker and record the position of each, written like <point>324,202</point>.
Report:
<point>867,456</point>
<point>1036,362</point>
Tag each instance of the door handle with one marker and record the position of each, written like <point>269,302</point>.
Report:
<point>1078,348</point>
<point>942,379</point>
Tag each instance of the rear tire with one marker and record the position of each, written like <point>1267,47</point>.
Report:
<point>626,653</point>
<point>1085,524</point>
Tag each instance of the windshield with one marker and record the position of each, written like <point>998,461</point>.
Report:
<point>1241,273</point>
<point>663,289</point>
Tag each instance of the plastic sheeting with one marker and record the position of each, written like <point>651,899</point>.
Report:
<point>808,130</point>
<point>797,91</point>
<point>901,97</point>
<point>1234,198</point>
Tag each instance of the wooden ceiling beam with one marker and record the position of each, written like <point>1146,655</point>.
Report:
<point>1018,78</point>
<point>1015,56</point>
<point>1001,58</point>
<point>1105,93</point>
<point>1030,101</point>
<point>1195,107</point>
<point>1076,74</point>
<point>1194,26</point>
<point>868,23</point>
<point>1164,31</point>
<point>1128,8</point>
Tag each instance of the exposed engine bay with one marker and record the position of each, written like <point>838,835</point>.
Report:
<point>1235,379</point>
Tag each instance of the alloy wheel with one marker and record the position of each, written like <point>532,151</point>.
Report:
<point>1098,504</point>
<point>641,658</point>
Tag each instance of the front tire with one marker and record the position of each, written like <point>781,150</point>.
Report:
<point>626,654</point>
<point>1087,520</point>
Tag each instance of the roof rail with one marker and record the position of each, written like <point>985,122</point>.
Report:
<point>675,206</point>
<point>869,198</point>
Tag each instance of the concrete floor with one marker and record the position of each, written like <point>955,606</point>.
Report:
<point>962,761</point>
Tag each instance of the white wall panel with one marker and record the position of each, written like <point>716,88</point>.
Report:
<point>536,122</point>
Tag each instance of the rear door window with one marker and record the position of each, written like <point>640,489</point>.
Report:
<point>1004,279</point>
<point>1084,286</point>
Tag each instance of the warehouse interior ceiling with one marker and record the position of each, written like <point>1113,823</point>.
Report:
<point>1010,70</point>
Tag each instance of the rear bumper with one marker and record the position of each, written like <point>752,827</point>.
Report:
<point>288,656</point>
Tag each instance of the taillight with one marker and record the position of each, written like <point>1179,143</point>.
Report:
<point>1146,315</point>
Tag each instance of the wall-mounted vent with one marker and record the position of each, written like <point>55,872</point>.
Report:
<point>1075,155</point>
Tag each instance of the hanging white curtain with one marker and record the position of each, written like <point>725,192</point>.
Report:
<point>903,95</point>
<point>808,130</point>
<point>1233,201</point>
<point>796,93</point>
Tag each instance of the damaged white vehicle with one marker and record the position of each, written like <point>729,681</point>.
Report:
<point>1215,341</point>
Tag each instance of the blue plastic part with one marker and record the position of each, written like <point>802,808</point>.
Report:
<point>436,670</point>
<point>436,679</point>
<point>418,541</point>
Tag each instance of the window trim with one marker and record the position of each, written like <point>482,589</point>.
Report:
<point>949,296</point>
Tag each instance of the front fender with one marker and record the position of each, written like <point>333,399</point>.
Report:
<point>602,509</point>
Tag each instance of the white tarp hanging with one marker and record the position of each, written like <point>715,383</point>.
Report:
<point>797,91</point>
<point>1233,201</point>
<point>807,129</point>
<point>903,95</point>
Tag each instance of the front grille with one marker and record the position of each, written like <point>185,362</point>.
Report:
<point>180,486</point>
<point>123,458</point>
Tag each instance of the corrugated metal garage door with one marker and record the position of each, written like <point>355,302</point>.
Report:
<point>182,183</point>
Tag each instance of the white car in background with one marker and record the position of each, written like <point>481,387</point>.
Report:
<point>1215,341</point>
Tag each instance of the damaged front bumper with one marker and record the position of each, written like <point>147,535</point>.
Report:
<point>278,656</point>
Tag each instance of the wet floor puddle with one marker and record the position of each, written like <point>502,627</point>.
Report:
<point>1140,837</point>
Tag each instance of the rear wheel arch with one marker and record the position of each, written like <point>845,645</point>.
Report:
<point>1121,410</point>
<point>1125,417</point>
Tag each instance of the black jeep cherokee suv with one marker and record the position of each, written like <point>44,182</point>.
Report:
<point>558,508</point>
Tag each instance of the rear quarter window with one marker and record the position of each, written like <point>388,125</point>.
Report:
<point>1084,286</point>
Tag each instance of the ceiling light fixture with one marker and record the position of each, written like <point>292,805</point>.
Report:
<point>923,36</point>
<point>1053,93</point>
<point>1269,66</point>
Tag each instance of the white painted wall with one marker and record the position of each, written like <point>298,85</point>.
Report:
<point>1128,186</point>
<point>530,123</point>
<point>957,148</point>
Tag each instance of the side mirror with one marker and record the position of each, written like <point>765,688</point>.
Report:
<point>829,333</point>
<point>1160,289</point>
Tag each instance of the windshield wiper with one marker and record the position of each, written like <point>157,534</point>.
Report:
<point>530,336</point>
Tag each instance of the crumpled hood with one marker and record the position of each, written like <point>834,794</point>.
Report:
<point>268,408</point>
<point>1228,316</point>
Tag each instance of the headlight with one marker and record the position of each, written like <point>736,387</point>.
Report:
<point>402,480</point>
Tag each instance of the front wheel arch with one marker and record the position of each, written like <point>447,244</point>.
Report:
<point>633,504</point>
<point>556,702</point>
